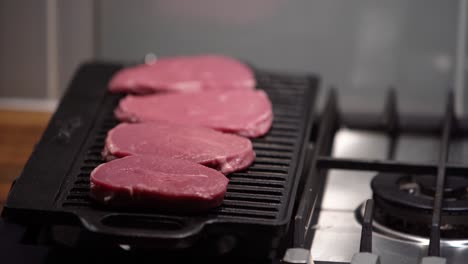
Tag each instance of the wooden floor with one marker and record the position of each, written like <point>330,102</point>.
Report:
<point>19,132</point>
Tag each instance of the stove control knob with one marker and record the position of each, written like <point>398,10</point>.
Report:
<point>365,258</point>
<point>297,256</point>
<point>433,260</point>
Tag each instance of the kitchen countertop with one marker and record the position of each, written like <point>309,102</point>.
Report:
<point>19,132</point>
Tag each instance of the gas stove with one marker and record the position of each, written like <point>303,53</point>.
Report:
<point>412,176</point>
<point>386,187</point>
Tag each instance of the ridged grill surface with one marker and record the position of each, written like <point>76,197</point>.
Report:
<point>255,193</point>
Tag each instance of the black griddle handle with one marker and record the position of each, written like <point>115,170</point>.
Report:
<point>143,227</point>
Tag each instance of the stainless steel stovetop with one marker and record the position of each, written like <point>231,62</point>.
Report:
<point>338,230</point>
<point>395,187</point>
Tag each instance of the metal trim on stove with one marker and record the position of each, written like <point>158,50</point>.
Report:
<point>303,234</point>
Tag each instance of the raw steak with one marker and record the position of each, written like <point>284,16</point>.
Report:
<point>155,182</point>
<point>247,113</point>
<point>184,74</point>
<point>220,151</point>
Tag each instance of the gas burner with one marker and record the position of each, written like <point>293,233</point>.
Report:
<point>404,203</point>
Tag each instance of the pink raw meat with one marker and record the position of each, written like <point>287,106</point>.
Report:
<point>244,112</point>
<point>224,152</point>
<point>184,74</point>
<point>155,182</point>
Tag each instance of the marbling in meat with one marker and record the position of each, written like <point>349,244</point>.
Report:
<point>244,112</point>
<point>224,152</point>
<point>184,74</point>
<point>156,182</point>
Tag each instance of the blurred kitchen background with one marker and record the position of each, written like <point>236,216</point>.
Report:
<point>361,47</point>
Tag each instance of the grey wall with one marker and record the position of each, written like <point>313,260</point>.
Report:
<point>76,37</point>
<point>362,44</point>
<point>23,51</point>
<point>355,45</point>
<point>22,48</point>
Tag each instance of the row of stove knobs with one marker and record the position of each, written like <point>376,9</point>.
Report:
<point>364,256</point>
